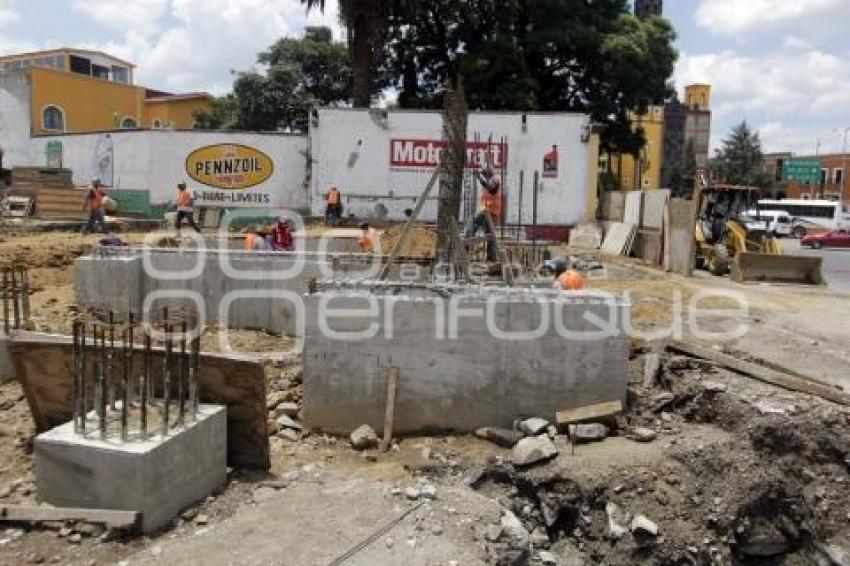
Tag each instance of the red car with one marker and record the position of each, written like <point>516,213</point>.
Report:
<point>833,238</point>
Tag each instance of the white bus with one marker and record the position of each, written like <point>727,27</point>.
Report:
<point>809,213</point>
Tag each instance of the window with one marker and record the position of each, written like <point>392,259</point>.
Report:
<point>53,119</point>
<point>824,175</point>
<point>80,65</point>
<point>120,74</point>
<point>129,123</point>
<point>100,72</point>
<point>838,176</point>
<point>157,124</point>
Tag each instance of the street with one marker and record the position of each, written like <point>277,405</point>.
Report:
<point>836,262</point>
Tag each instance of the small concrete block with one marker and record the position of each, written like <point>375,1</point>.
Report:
<point>157,477</point>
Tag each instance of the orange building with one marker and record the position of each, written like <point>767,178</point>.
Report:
<point>78,90</point>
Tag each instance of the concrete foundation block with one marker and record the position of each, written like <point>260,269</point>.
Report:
<point>111,283</point>
<point>535,354</point>
<point>158,477</point>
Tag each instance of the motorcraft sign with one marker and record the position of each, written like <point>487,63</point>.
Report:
<point>229,166</point>
<point>418,154</point>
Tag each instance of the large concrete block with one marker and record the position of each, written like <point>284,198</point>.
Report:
<point>467,357</point>
<point>110,282</point>
<point>158,477</point>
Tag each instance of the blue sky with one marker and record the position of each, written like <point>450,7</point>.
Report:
<point>783,65</point>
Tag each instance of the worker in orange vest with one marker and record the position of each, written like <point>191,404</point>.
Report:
<point>366,241</point>
<point>333,206</point>
<point>565,279</point>
<point>185,208</point>
<point>491,205</point>
<point>255,240</point>
<point>94,204</point>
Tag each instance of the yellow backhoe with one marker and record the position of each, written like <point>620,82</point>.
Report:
<point>728,240</point>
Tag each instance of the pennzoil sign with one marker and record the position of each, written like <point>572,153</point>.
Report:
<point>229,166</point>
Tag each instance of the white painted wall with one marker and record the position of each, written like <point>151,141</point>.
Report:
<point>155,160</point>
<point>14,118</point>
<point>351,150</point>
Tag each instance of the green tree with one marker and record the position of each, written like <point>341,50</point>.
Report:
<point>550,55</point>
<point>740,160</point>
<point>299,74</point>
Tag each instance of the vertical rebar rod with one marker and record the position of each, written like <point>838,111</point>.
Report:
<point>125,381</point>
<point>6,300</point>
<point>534,209</point>
<point>75,395</point>
<point>181,376</point>
<point>166,379</point>
<point>110,359</point>
<point>519,234</point>
<point>25,294</point>
<point>104,378</point>
<point>143,390</point>
<point>15,307</point>
<point>194,363</point>
<point>83,401</point>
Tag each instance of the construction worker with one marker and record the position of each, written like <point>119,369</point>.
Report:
<point>254,240</point>
<point>185,208</point>
<point>565,279</point>
<point>333,206</point>
<point>489,212</point>
<point>280,236</point>
<point>366,241</point>
<point>94,204</point>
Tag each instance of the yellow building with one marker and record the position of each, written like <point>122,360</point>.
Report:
<point>645,172</point>
<point>78,90</point>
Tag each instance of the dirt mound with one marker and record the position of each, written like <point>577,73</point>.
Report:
<point>421,241</point>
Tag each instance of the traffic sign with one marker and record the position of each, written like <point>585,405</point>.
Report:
<point>802,170</point>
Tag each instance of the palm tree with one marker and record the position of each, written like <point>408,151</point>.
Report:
<point>364,20</point>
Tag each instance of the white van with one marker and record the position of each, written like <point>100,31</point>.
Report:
<point>779,222</point>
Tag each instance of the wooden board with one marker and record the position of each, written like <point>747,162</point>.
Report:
<point>389,417</point>
<point>115,519</point>
<point>765,374</point>
<point>618,240</point>
<point>43,366</point>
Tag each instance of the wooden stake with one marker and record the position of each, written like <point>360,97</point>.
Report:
<point>392,382</point>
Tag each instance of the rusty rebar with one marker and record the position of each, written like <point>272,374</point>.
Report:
<point>181,375</point>
<point>15,306</point>
<point>126,348</point>
<point>194,363</point>
<point>143,389</point>
<point>75,376</point>
<point>104,378</point>
<point>166,379</point>
<point>110,360</point>
<point>6,300</point>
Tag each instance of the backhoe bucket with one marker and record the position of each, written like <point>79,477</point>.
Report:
<point>751,266</point>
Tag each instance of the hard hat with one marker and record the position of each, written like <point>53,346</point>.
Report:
<point>364,225</point>
<point>181,185</point>
<point>283,219</point>
<point>95,182</point>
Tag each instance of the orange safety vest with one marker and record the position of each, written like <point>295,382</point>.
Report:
<point>184,199</point>
<point>492,203</point>
<point>367,241</point>
<point>248,244</point>
<point>332,196</point>
<point>95,199</point>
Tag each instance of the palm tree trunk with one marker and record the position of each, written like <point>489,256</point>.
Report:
<point>362,61</point>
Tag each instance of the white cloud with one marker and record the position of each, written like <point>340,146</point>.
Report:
<point>192,45</point>
<point>792,95</point>
<point>8,15</point>
<point>733,16</point>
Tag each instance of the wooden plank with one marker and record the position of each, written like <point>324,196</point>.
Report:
<point>43,367</point>
<point>399,245</point>
<point>389,417</point>
<point>589,412</point>
<point>116,519</point>
<point>765,374</point>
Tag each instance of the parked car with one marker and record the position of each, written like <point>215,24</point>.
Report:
<point>778,221</point>
<point>832,239</point>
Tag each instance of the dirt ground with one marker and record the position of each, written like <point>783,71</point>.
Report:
<point>739,472</point>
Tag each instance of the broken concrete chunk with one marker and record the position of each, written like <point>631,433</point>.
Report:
<point>412,493</point>
<point>643,434</point>
<point>514,527</point>
<point>493,533</point>
<point>364,437</point>
<point>616,530</point>
<point>643,526</point>
<point>714,386</point>
<point>286,421</point>
<point>502,436</point>
<point>533,426</point>
<point>428,491</point>
<point>533,450</point>
<point>288,408</point>
<point>288,434</point>
<point>547,557</point>
<point>592,432</point>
